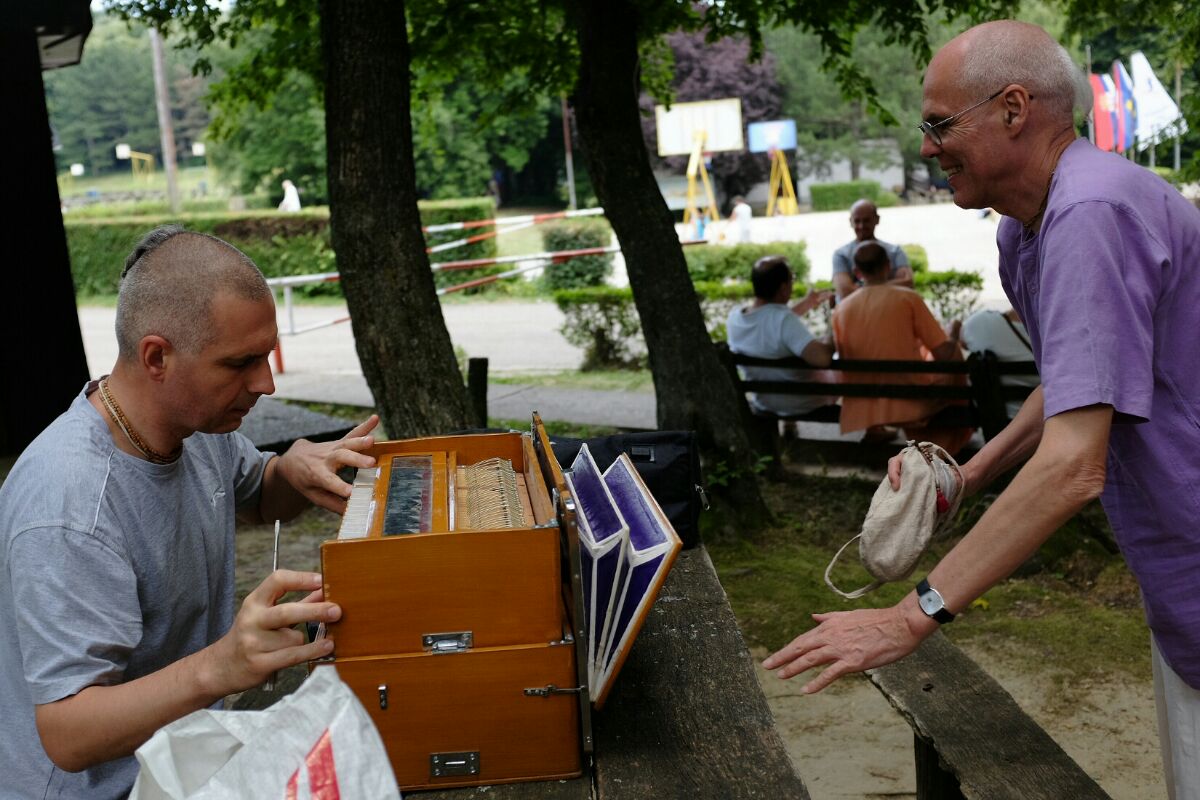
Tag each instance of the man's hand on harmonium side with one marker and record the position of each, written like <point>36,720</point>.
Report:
<point>263,638</point>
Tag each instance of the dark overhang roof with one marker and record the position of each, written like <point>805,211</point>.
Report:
<point>62,26</point>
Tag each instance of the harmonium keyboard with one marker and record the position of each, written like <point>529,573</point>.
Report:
<point>468,630</point>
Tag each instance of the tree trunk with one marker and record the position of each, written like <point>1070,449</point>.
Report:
<point>693,390</point>
<point>41,349</point>
<point>401,337</point>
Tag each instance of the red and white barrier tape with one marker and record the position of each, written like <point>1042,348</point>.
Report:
<point>532,219</point>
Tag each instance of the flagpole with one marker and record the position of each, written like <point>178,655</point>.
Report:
<point>1091,111</point>
<point>1178,102</point>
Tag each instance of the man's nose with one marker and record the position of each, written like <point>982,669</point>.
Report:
<point>261,380</point>
<point>928,148</point>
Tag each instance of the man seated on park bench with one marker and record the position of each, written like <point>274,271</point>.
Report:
<point>768,328</point>
<point>882,321</point>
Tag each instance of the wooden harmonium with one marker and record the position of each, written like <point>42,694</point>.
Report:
<point>457,629</point>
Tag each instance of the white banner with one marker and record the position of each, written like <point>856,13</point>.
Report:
<point>1157,115</point>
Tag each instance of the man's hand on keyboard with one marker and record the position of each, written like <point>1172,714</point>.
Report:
<point>309,470</point>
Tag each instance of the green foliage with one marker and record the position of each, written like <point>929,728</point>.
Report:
<point>837,196</point>
<point>950,294</point>
<point>604,322</point>
<point>461,133</point>
<point>1167,174</point>
<point>583,271</point>
<point>918,259</point>
<point>717,300</point>
<point>733,262</point>
<point>281,244</point>
<point>258,147</point>
<point>110,100</point>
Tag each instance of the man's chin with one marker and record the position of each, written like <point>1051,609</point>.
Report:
<point>228,424</point>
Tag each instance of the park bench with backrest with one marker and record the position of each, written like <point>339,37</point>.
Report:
<point>985,395</point>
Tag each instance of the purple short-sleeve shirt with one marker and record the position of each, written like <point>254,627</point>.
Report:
<point>1109,290</point>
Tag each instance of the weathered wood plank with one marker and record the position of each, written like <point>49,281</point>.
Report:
<point>980,733</point>
<point>578,789</point>
<point>686,718</point>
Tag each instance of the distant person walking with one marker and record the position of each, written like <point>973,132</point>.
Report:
<point>741,215</point>
<point>291,197</point>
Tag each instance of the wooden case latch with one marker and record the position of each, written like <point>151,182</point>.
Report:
<point>445,765</point>
<point>549,689</point>
<point>441,643</point>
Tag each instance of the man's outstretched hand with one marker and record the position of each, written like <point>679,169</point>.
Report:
<point>852,641</point>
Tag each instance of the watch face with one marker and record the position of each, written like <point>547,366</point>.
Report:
<point>931,602</point>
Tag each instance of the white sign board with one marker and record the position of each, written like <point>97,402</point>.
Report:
<point>123,152</point>
<point>198,149</point>
<point>76,170</point>
<point>719,122</point>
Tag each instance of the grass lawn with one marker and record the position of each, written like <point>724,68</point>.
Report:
<point>609,380</point>
<point>189,178</point>
<point>1073,606</point>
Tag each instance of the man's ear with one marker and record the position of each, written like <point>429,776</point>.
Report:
<point>1016,109</point>
<point>154,356</point>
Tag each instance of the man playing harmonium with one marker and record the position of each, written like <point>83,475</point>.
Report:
<point>117,522</point>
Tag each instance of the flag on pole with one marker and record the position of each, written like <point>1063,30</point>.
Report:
<point>1102,111</point>
<point>1127,106</point>
<point>1158,117</point>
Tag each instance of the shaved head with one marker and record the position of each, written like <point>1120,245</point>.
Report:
<point>864,205</point>
<point>990,56</point>
<point>169,283</point>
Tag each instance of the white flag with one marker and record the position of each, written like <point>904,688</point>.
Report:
<point>1158,117</point>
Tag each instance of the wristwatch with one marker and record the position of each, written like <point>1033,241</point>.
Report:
<point>931,602</point>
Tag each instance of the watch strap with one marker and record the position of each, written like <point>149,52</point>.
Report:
<point>942,615</point>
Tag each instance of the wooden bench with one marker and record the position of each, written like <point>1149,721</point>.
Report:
<point>686,717</point>
<point>985,394</point>
<point>971,739</point>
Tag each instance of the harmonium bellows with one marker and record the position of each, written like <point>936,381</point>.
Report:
<point>464,627</point>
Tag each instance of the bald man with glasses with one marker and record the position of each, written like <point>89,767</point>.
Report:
<point>1099,258</point>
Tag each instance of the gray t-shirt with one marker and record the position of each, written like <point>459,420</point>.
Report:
<point>843,257</point>
<point>111,568</point>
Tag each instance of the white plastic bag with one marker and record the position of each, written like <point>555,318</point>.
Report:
<point>317,743</point>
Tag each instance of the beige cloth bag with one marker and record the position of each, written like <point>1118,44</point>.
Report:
<point>900,524</point>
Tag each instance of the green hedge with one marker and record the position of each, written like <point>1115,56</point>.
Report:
<point>714,262</point>
<point>584,271</point>
<point>950,294</point>
<point>836,196</point>
<point>280,243</point>
<point>603,320</point>
<point>918,259</point>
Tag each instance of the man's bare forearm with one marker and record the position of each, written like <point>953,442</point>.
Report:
<point>1065,473</point>
<point>1010,447</point>
<point>102,723</point>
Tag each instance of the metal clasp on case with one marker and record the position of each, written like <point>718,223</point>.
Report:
<point>550,689</point>
<point>456,642</point>
<point>445,765</point>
